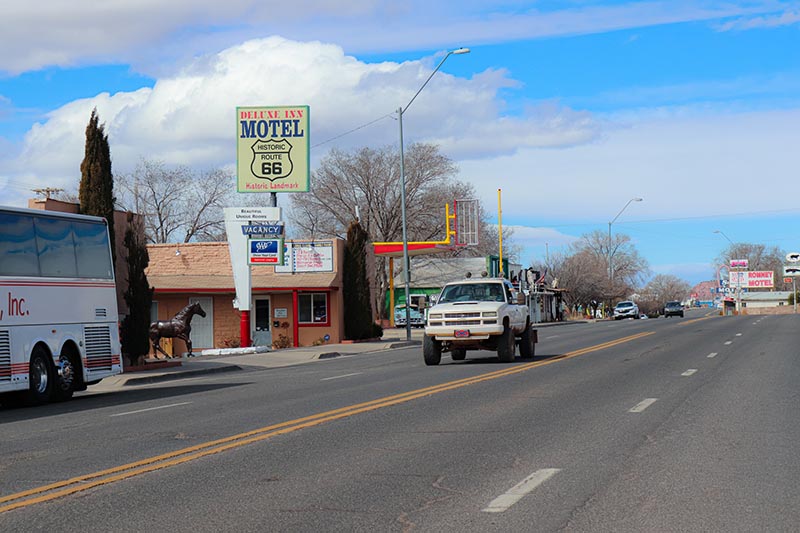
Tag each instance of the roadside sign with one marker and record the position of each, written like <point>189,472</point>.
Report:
<point>793,257</point>
<point>791,271</point>
<point>738,263</point>
<point>266,251</point>
<point>787,280</point>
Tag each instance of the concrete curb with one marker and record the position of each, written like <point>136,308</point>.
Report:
<point>168,376</point>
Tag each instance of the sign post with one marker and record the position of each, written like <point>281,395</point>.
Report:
<point>792,271</point>
<point>240,224</point>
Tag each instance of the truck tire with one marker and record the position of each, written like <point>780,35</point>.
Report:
<point>458,354</point>
<point>505,346</point>
<point>431,350</point>
<point>527,346</point>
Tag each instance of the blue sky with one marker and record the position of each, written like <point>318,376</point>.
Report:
<point>572,108</point>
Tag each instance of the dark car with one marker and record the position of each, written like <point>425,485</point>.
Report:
<point>673,309</point>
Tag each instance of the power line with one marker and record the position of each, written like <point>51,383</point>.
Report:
<point>353,130</point>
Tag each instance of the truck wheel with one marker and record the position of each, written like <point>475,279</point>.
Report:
<point>527,346</point>
<point>505,346</point>
<point>431,350</point>
<point>458,354</point>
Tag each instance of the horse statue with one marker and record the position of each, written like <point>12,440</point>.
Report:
<point>178,327</point>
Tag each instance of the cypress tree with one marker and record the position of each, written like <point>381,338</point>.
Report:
<point>96,193</point>
<point>358,322</point>
<point>138,295</point>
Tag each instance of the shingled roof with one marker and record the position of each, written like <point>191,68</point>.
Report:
<point>206,266</point>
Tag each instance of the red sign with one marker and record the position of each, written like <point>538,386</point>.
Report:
<point>787,280</point>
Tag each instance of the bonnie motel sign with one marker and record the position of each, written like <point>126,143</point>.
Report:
<point>272,149</point>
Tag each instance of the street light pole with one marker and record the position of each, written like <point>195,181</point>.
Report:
<point>406,261</point>
<point>610,271</point>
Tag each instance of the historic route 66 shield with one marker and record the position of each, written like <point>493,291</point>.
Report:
<point>271,159</point>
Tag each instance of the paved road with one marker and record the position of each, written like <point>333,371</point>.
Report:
<point>637,425</point>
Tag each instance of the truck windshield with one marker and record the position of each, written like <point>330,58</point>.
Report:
<point>473,292</point>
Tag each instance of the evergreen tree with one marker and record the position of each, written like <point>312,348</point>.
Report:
<point>358,323</point>
<point>96,193</point>
<point>138,295</point>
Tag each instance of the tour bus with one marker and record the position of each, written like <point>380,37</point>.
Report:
<point>58,305</point>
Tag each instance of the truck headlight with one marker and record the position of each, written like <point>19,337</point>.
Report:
<point>490,313</point>
<point>435,315</point>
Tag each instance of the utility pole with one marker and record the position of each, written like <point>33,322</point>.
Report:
<point>47,191</point>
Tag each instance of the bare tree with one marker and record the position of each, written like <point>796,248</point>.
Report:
<point>584,269</point>
<point>661,289</point>
<point>178,205</point>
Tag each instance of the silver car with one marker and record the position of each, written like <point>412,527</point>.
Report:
<point>626,309</point>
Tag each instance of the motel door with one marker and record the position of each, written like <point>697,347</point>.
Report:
<point>260,321</point>
<point>202,333</point>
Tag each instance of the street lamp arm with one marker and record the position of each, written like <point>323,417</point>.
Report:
<point>623,209</point>
<point>448,54</point>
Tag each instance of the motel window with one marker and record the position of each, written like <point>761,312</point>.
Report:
<point>313,308</point>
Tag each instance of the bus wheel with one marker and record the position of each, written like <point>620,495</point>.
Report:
<point>66,380</point>
<point>40,378</point>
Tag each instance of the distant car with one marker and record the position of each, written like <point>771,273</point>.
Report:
<point>626,309</point>
<point>673,309</point>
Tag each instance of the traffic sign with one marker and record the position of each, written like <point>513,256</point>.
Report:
<point>793,257</point>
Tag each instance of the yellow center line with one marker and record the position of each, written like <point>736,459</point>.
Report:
<point>696,320</point>
<point>184,455</point>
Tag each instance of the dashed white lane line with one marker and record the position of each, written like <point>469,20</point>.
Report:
<point>689,372</point>
<point>151,409</point>
<point>342,376</point>
<point>712,355</point>
<point>728,343</point>
<point>738,334</point>
<point>641,406</point>
<point>515,493</point>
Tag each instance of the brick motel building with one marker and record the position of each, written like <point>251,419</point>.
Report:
<point>295,305</point>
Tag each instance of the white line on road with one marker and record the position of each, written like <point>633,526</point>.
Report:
<point>644,404</point>
<point>515,493</point>
<point>342,376</point>
<point>738,334</point>
<point>152,409</point>
<point>689,372</point>
<point>552,336</point>
<point>728,342</point>
<point>712,355</point>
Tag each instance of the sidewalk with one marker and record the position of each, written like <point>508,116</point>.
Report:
<point>234,359</point>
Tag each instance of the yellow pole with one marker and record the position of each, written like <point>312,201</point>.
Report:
<point>500,229</point>
<point>391,291</point>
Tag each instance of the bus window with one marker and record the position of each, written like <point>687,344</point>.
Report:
<point>18,255</point>
<point>91,248</point>
<point>56,247</point>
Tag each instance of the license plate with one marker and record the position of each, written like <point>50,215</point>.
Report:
<point>461,333</point>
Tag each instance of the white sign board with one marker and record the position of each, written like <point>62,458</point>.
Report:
<point>235,217</point>
<point>738,263</point>
<point>791,270</point>
<point>756,279</point>
<point>793,257</point>
<point>307,257</point>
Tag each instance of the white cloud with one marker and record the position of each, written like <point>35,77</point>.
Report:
<point>786,18</point>
<point>189,117</point>
<point>682,163</point>
<point>147,32</point>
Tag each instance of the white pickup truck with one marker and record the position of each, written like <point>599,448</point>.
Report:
<point>478,314</point>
